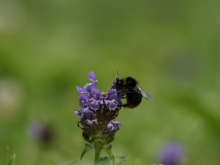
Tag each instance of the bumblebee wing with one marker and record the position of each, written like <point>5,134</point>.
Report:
<point>143,93</point>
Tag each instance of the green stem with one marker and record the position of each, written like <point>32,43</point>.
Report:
<point>97,155</point>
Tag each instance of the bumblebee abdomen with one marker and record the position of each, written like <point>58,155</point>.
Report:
<point>130,105</point>
<point>133,99</point>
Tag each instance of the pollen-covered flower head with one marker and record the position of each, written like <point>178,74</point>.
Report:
<point>98,111</point>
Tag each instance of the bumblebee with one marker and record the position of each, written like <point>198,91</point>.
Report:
<point>128,86</point>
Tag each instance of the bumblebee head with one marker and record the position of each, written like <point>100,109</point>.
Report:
<point>120,84</point>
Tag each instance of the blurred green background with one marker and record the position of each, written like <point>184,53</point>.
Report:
<point>47,48</point>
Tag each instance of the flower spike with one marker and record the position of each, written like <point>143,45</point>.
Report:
<point>97,117</point>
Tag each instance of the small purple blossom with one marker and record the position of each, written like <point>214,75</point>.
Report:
<point>83,100</point>
<point>94,104</point>
<point>113,126</point>
<point>79,112</point>
<point>88,114</point>
<point>171,154</point>
<point>96,100</point>
<point>98,111</point>
<point>111,99</point>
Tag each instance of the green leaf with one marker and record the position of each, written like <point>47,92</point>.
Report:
<point>120,159</point>
<point>86,149</point>
<point>107,160</point>
<point>110,154</point>
<point>72,162</point>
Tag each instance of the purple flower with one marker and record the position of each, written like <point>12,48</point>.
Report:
<point>79,112</point>
<point>113,126</point>
<point>96,100</point>
<point>171,154</point>
<point>98,112</point>
<point>90,86</point>
<point>110,99</point>
<point>88,114</point>
<point>83,100</point>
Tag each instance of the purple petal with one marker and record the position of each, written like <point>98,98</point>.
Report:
<point>83,98</point>
<point>116,122</point>
<point>111,94</point>
<point>109,128</point>
<point>79,113</point>
<point>96,93</point>
<point>101,101</point>
<point>88,87</point>
<point>91,122</point>
<point>113,126</point>
<point>92,77</point>
<point>88,114</point>
<point>94,104</point>
<point>112,105</point>
<point>80,90</point>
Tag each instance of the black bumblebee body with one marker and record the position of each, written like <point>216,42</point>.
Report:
<point>133,92</point>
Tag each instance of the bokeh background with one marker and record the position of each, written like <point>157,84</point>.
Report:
<point>47,48</point>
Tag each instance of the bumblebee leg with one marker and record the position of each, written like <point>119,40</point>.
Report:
<point>125,105</point>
